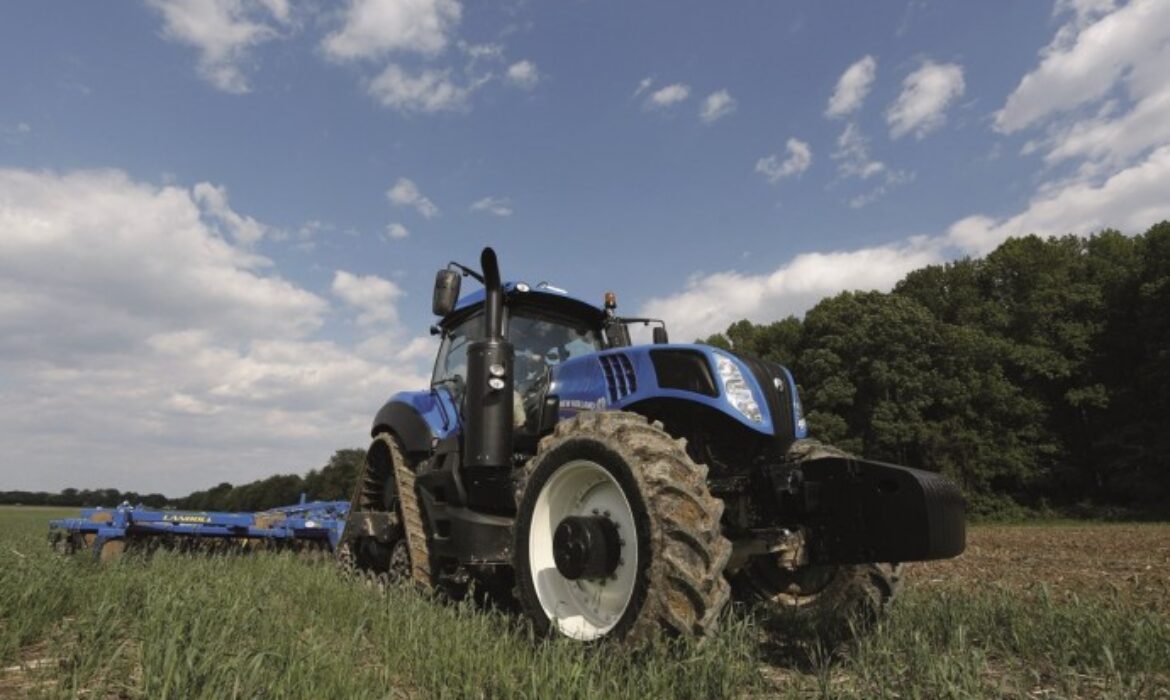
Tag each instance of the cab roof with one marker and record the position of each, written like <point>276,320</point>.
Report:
<point>539,296</point>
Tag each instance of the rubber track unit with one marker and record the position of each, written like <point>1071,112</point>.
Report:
<point>412,522</point>
<point>683,590</point>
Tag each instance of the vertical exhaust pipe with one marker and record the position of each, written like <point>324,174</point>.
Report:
<point>487,429</point>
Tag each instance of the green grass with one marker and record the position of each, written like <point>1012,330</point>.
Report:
<point>274,625</point>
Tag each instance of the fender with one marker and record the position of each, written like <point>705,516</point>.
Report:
<point>418,418</point>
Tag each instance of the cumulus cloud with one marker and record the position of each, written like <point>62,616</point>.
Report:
<point>405,193</point>
<point>926,95</point>
<point>213,201</point>
<point>668,96</point>
<point>373,297</point>
<point>1101,88</point>
<point>852,88</point>
<point>397,231</point>
<point>523,74</point>
<point>223,32</point>
<point>798,160</point>
<point>427,91</point>
<point>852,155</point>
<point>173,355</point>
<point>710,303</point>
<point>1130,200</point>
<point>717,105</point>
<point>496,206</point>
<point>374,28</point>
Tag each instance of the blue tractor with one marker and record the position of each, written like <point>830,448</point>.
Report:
<point>619,491</point>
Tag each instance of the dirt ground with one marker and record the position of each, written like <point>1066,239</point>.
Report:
<point>1132,561</point>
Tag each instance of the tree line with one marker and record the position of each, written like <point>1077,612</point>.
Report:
<point>1038,376</point>
<point>332,482</point>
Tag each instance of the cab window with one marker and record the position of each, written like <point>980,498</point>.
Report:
<point>451,365</point>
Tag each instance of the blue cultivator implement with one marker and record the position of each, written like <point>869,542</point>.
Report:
<point>106,532</point>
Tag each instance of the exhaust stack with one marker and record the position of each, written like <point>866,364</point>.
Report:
<point>488,404</point>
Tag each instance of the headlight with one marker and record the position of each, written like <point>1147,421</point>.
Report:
<point>737,390</point>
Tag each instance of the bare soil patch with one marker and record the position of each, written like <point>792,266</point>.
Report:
<point>1131,561</point>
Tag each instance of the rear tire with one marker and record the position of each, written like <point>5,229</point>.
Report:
<point>670,574</point>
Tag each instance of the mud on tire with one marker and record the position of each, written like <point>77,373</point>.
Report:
<point>678,585</point>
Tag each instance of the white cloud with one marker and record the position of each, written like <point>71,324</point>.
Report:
<point>213,201</point>
<point>643,85</point>
<point>373,28</point>
<point>523,74</point>
<point>852,87</point>
<point>852,155</point>
<point>669,95</point>
<point>1083,64</point>
<point>405,193</point>
<point>712,302</point>
<point>175,357</point>
<point>716,106</point>
<point>397,231</point>
<point>427,91</point>
<point>224,32</point>
<point>1131,200</point>
<point>495,206</point>
<point>1101,89</point>
<point>798,160</point>
<point>926,95</point>
<point>371,295</point>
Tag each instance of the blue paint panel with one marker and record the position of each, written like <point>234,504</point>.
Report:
<point>581,385</point>
<point>436,406</point>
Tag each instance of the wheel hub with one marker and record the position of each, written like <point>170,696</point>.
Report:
<point>586,547</point>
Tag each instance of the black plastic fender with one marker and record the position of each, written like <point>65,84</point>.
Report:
<point>407,424</point>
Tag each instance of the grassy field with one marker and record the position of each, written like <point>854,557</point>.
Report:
<point>1052,611</point>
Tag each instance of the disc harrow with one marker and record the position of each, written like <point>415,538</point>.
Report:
<point>106,532</point>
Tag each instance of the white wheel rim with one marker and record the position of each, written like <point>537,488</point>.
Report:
<point>581,609</point>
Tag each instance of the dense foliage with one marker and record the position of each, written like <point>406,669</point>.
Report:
<point>1038,375</point>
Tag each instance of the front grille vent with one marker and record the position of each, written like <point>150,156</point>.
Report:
<point>619,375</point>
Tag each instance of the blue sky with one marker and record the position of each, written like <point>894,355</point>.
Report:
<point>219,219</point>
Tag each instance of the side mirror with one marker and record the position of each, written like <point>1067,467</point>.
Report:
<point>446,292</point>
<point>660,336</point>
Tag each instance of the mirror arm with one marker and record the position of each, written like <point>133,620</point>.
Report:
<point>467,271</point>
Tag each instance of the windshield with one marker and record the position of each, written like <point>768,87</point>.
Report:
<point>539,341</point>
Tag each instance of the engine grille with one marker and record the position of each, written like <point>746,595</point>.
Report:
<point>778,394</point>
<point>619,375</point>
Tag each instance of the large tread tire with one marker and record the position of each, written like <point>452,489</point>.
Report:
<point>679,588</point>
<point>841,600</point>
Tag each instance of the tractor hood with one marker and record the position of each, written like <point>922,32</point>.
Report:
<point>760,395</point>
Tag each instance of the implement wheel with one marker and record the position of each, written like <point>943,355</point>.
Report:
<point>617,536</point>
